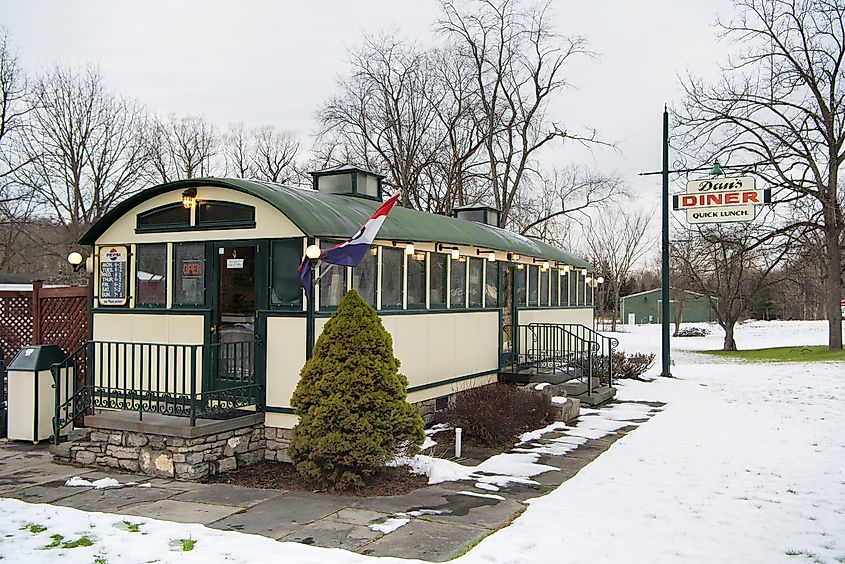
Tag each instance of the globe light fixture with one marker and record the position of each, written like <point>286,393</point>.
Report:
<point>313,252</point>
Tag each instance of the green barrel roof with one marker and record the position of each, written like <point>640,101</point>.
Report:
<point>337,216</point>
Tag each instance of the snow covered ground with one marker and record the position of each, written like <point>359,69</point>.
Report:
<point>744,464</point>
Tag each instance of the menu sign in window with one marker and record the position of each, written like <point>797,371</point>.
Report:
<point>113,267</point>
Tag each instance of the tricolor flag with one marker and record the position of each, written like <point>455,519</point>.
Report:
<point>349,253</point>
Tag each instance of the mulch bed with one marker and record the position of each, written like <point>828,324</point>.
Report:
<point>283,476</point>
<point>470,446</point>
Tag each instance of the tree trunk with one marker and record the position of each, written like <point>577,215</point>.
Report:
<point>834,289</point>
<point>616,291</point>
<point>730,343</point>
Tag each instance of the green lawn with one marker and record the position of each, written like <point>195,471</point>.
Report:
<point>783,354</point>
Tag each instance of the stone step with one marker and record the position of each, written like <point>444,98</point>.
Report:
<point>575,388</point>
<point>599,396</point>
<point>533,376</point>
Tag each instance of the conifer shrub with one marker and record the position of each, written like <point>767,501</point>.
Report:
<point>351,401</point>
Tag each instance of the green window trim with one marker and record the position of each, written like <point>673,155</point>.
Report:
<point>161,219</point>
<point>151,287</point>
<point>230,215</point>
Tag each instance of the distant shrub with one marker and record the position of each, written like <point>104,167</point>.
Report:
<point>630,366</point>
<point>693,332</point>
<point>635,365</point>
<point>495,414</point>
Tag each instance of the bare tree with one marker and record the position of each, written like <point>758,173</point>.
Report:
<point>731,264</point>
<point>383,115</point>
<point>263,153</point>
<point>236,151</point>
<point>518,65</point>
<point>781,103</point>
<point>680,279</point>
<point>184,147</point>
<point>457,170</point>
<point>85,148</point>
<point>13,109</point>
<point>616,243</point>
<point>566,195</point>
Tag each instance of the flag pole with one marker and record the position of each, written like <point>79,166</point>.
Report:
<point>310,315</point>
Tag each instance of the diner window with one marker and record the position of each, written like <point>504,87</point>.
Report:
<point>151,275</point>
<point>573,288</point>
<point>416,281</point>
<point>589,297</point>
<point>458,283</point>
<point>491,287</point>
<point>533,294</point>
<point>391,277</point>
<point>544,287</point>
<point>554,280</point>
<point>437,280</point>
<point>189,274</point>
<point>225,214</point>
<point>364,276</point>
<point>332,281</point>
<point>285,289</point>
<point>519,283</point>
<point>476,282</point>
<point>579,282</point>
<point>165,218</point>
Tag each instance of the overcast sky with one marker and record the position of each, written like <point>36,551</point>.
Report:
<point>263,62</point>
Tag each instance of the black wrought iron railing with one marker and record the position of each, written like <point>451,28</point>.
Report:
<point>193,381</point>
<point>549,348</point>
<point>603,350</point>
<point>560,347</point>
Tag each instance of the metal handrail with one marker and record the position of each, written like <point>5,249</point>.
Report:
<point>549,347</point>
<point>602,344</point>
<point>158,378</point>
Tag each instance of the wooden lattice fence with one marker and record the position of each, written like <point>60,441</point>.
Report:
<point>49,316</point>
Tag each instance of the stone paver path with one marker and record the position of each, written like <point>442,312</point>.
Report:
<point>446,522</point>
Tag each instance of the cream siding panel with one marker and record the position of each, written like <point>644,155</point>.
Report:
<point>285,358</point>
<point>583,316</point>
<point>269,222</point>
<point>280,420</point>
<point>446,389</point>
<point>150,368</point>
<point>441,346</point>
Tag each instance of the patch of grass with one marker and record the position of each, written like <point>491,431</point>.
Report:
<point>132,527</point>
<point>34,528</point>
<point>188,544</point>
<point>100,560</point>
<point>807,353</point>
<point>81,541</point>
<point>57,542</point>
<point>467,549</point>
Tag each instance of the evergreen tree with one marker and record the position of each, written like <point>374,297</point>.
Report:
<point>351,401</point>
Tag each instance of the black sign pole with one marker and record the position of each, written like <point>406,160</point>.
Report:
<point>664,311</point>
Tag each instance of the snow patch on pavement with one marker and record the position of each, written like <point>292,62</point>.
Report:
<point>390,525</point>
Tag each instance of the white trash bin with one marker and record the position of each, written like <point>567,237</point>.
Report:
<point>32,395</point>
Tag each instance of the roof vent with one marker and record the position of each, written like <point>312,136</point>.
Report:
<point>478,213</point>
<point>348,180</point>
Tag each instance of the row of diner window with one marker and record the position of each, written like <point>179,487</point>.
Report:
<point>386,278</point>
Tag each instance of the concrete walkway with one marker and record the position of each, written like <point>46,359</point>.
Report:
<point>443,522</point>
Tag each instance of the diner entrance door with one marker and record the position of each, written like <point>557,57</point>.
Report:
<point>234,316</point>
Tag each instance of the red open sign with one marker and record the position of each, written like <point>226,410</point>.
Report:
<point>192,268</point>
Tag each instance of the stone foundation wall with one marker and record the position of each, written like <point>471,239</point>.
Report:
<point>166,456</point>
<point>427,409</point>
<point>278,441</point>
